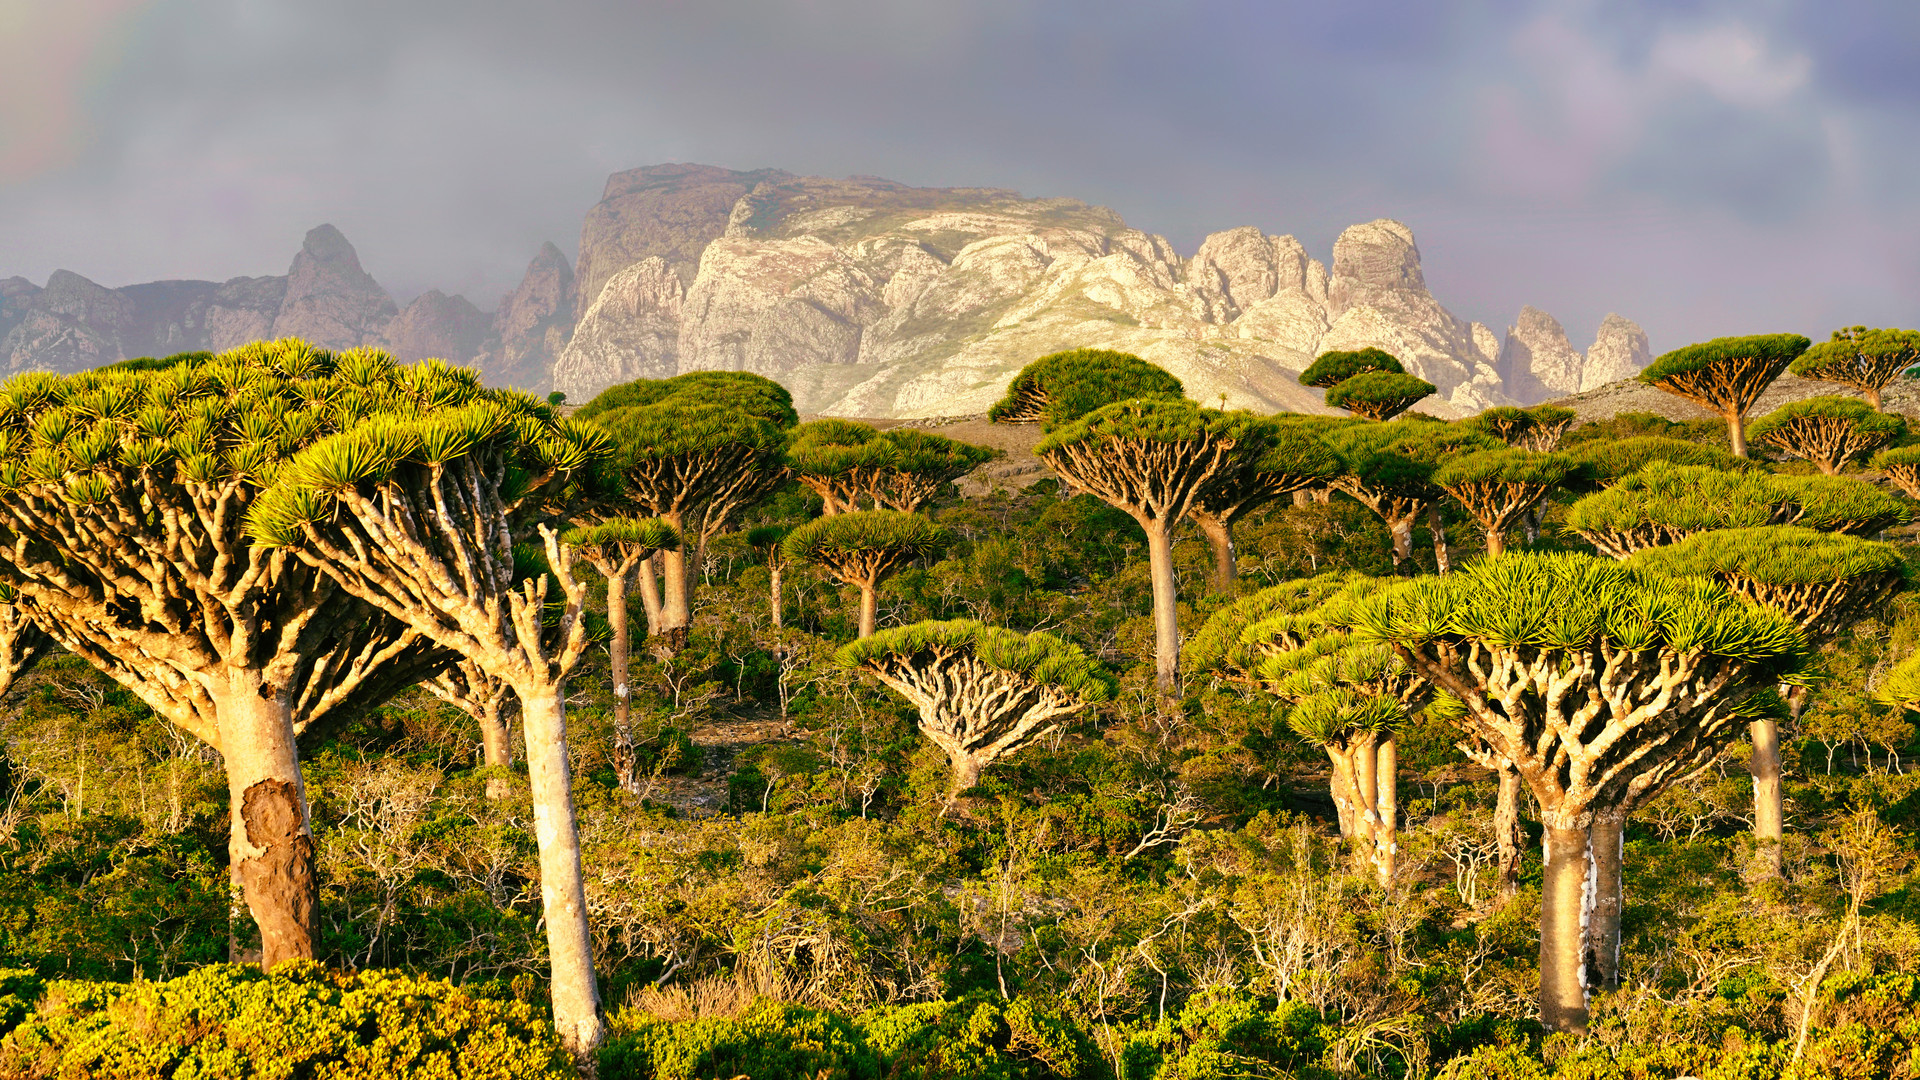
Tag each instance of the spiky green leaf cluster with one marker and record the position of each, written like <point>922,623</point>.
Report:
<point>1771,352</point>
<point>1518,427</point>
<point>1333,368</point>
<point>1858,356</point>
<point>1842,504</point>
<point>646,534</point>
<point>735,391</point>
<point>1794,426</point>
<point>1158,420</point>
<point>1503,466</point>
<point>680,428</point>
<point>197,420</point>
<point>831,539</point>
<point>1773,555</point>
<point>1378,395</point>
<point>1283,616</point>
<point>1602,462</point>
<point>1062,387</point>
<point>1401,454</point>
<point>1039,658</point>
<point>1894,457</point>
<point>1568,602</point>
<point>1694,498</point>
<point>1900,688</point>
<point>834,447</point>
<point>927,453</point>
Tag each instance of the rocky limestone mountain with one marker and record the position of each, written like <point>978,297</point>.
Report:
<point>532,324</point>
<point>1619,351</point>
<point>438,325</point>
<point>330,300</point>
<point>870,298</point>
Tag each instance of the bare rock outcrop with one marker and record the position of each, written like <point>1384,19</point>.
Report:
<point>330,300</point>
<point>672,211</point>
<point>532,324</point>
<point>241,310</point>
<point>631,332</point>
<point>1536,360</point>
<point>437,325</point>
<point>1619,351</point>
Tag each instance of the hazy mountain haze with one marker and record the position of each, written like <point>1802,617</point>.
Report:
<point>1710,168</point>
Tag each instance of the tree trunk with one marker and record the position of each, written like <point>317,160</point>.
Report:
<point>626,759</point>
<point>1873,397</point>
<point>496,742</point>
<point>1533,524</point>
<point>1386,804</point>
<point>1402,532</point>
<point>1496,543</point>
<point>1341,783</point>
<point>649,594</point>
<point>271,841</point>
<point>1830,467</point>
<point>1166,610</point>
<point>563,897</point>
<point>1606,851</point>
<point>1506,829</point>
<point>1442,556</point>
<point>966,775</point>
<point>869,607</point>
<point>676,591</point>
<point>1769,812</point>
<point>1301,497</point>
<point>1737,431</point>
<point>774,600</point>
<point>1219,534</point>
<point>1563,998</point>
<point>1366,784</point>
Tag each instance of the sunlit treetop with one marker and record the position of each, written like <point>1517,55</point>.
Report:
<point>1333,368</point>
<point>1378,395</point>
<point>737,391</point>
<point>1039,658</point>
<point>1604,462</point>
<point>1062,387</point>
<point>1829,430</point>
<point>1537,428</point>
<point>1822,580</point>
<point>1864,359</point>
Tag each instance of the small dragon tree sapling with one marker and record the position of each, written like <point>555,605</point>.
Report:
<point>1864,359</point>
<point>1726,375</point>
<point>615,548</point>
<point>1295,459</point>
<point>1901,464</point>
<point>982,692</point>
<point>122,496</point>
<point>413,511</point>
<point>1498,487</point>
<point>1061,387</point>
<point>1828,431</point>
<point>865,548</point>
<point>1664,504</point>
<point>1378,395</point>
<point>1824,582</point>
<point>1153,459</point>
<point>1603,685</point>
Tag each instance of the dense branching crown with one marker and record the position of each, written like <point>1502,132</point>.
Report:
<point>1900,689</point>
<point>1861,358</point>
<point>1506,467</point>
<point>1063,387</point>
<point>1829,430</point>
<point>1378,395</point>
<point>639,534</point>
<point>1238,638</point>
<point>1902,466</point>
<point>1819,579</point>
<point>845,538</point>
<point>1663,503</point>
<point>1400,454</point>
<point>1151,420</point>
<point>1566,602</point>
<point>737,391</point>
<point>1333,368</point>
<point>1538,428</point>
<point>1039,658</point>
<point>1605,462</point>
<point>1724,372</point>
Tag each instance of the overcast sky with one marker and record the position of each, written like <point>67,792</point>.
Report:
<point>1703,168</point>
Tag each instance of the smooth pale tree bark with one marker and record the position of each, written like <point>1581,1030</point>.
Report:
<point>1166,604</point>
<point>269,833</point>
<point>490,702</point>
<point>1506,829</point>
<point>1219,537</point>
<point>617,548</point>
<point>1442,556</point>
<point>1769,804</point>
<point>1563,897</point>
<point>1386,803</point>
<point>1606,853</point>
<point>649,594</point>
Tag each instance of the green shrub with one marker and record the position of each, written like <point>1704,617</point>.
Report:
<point>1227,1038</point>
<point>982,1037</point>
<point>770,1041</point>
<point>229,1021</point>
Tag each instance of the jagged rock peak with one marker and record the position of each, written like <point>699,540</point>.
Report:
<point>1374,257</point>
<point>440,326</point>
<point>532,324</point>
<point>1619,351</point>
<point>331,300</point>
<point>1537,360</point>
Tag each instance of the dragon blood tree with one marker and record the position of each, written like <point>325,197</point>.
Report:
<point>1828,431</point>
<point>1378,395</point>
<point>1333,368</point>
<point>1900,464</point>
<point>1154,459</point>
<point>1388,468</point>
<point>1824,582</point>
<point>1538,429</point>
<point>838,460</point>
<point>122,496</point>
<point>1602,463</point>
<point>767,540</point>
<point>615,548</point>
<point>923,463</point>
<point>1499,487</point>
<point>22,641</point>
<point>1295,460</point>
<point>414,511</point>
<point>865,548</point>
<point>1864,359</point>
<point>1603,685</point>
<point>1061,387</point>
<point>696,459</point>
<point>489,701</point>
<point>1726,375</point>
<point>982,692</point>
<point>1664,504</point>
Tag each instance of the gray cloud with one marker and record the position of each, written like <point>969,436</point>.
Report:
<point>1703,167</point>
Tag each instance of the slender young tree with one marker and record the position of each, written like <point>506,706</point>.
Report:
<point>1498,487</point>
<point>865,548</point>
<point>1828,431</point>
<point>616,548</point>
<point>1603,686</point>
<point>1153,459</point>
<point>1726,375</point>
<point>982,692</point>
<point>414,511</point>
<point>1331,369</point>
<point>1864,359</point>
<point>1378,395</point>
<point>838,460</point>
<point>1062,387</point>
<point>1388,468</point>
<point>1900,464</point>
<point>121,500</point>
<point>1538,429</point>
<point>488,699</point>
<point>1295,460</point>
<point>1664,504</point>
<point>767,540</point>
<point>1824,582</point>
